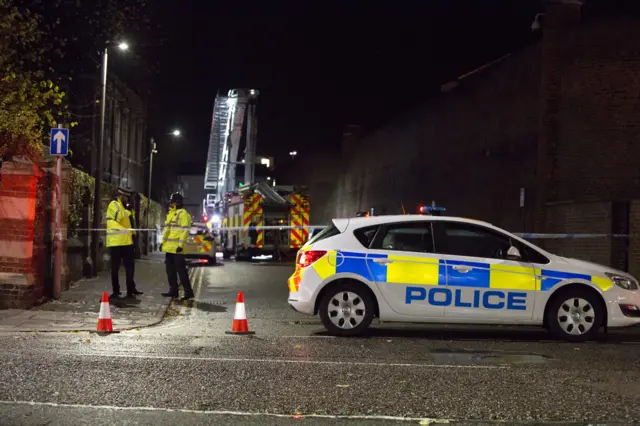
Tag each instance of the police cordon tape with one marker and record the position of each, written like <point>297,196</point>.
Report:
<point>570,236</point>
<point>277,227</point>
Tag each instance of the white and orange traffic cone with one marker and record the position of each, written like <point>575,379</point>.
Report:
<point>104,317</point>
<point>240,324</point>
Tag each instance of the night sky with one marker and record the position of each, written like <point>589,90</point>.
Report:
<point>318,65</point>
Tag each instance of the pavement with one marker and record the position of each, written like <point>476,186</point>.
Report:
<point>77,308</point>
<point>186,370</point>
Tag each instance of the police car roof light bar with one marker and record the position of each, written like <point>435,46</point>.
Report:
<point>431,210</point>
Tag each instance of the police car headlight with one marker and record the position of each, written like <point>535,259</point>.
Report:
<point>621,281</point>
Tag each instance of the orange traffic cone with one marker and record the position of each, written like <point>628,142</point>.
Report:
<point>240,324</point>
<point>104,317</point>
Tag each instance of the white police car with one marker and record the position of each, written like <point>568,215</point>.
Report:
<point>414,268</point>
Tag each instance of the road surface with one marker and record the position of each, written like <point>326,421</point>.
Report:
<point>188,371</point>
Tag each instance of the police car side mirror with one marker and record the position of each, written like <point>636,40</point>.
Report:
<point>513,254</point>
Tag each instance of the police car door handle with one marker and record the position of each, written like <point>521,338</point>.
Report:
<point>462,268</point>
<point>382,261</point>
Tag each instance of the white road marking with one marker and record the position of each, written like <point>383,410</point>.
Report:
<point>282,361</point>
<point>422,420</point>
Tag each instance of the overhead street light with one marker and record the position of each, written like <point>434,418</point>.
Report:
<point>293,154</point>
<point>176,133</point>
<point>97,193</point>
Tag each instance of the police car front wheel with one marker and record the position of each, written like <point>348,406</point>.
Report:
<point>575,315</point>
<point>346,309</point>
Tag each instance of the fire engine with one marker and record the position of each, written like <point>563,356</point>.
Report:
<point>237,208</point>
<point>261,205</point>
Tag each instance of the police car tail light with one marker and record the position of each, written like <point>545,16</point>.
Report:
<point>307,258</point>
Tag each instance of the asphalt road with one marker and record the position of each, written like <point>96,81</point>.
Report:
<point>187,371</point>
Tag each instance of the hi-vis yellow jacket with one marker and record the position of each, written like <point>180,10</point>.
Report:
<point>118,225</point>
<point>176,230</point>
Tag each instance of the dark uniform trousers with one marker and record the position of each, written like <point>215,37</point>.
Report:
<point>177,266</point>
<point>124,255</point>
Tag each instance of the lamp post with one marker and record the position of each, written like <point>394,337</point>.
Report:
<point>153,151</point>
<point>176,133</point>
<point>97,199</point>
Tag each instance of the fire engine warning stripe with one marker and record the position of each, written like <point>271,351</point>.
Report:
<point>295,234</point>
<point>295,199</point>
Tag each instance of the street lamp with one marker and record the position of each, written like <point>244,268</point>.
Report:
<point>535,26</point>
<point>176,133</point>
<point>97,199</point>
<point>293,154</point>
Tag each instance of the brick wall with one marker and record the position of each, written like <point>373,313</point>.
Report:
<point>589,133</point>
<point>634,241</point>
<point>560,119</point>
<point>18,183</point>
<point>471,150</point>
<point>580,218</point>
<point>595,147</point>
<point>26,224</point>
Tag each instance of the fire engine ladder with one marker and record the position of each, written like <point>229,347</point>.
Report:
<point>270,194</point>
<point>224,142</point>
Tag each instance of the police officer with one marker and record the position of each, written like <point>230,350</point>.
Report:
<point>120,243</point>
<point>174,240</point>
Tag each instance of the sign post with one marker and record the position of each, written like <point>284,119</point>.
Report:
<point>58,147</point>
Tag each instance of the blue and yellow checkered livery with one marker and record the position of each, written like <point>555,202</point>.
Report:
<point>425,271</point>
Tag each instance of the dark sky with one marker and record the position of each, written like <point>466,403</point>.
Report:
<point>318,65</point>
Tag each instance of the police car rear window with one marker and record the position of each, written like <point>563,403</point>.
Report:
<point>324,234</point>
<point>365,235</point>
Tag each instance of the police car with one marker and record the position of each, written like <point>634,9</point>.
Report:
<point>201,244</point>
<point>438,269</point>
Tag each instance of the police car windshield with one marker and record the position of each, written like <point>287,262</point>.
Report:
<point>198,230</point>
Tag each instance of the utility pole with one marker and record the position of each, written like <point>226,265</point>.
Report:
<point>97,199</point>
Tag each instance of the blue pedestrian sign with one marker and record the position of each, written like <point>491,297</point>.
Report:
<point>59,142</point>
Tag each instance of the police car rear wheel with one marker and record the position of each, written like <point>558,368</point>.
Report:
<point>575,315</point>
<point>346,310</point>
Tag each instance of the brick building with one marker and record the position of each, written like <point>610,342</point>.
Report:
<point>126,144</point>
<point>559,119</point>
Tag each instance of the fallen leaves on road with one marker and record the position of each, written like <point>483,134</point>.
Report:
<point>171,312</point>
<point>342,386</point>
